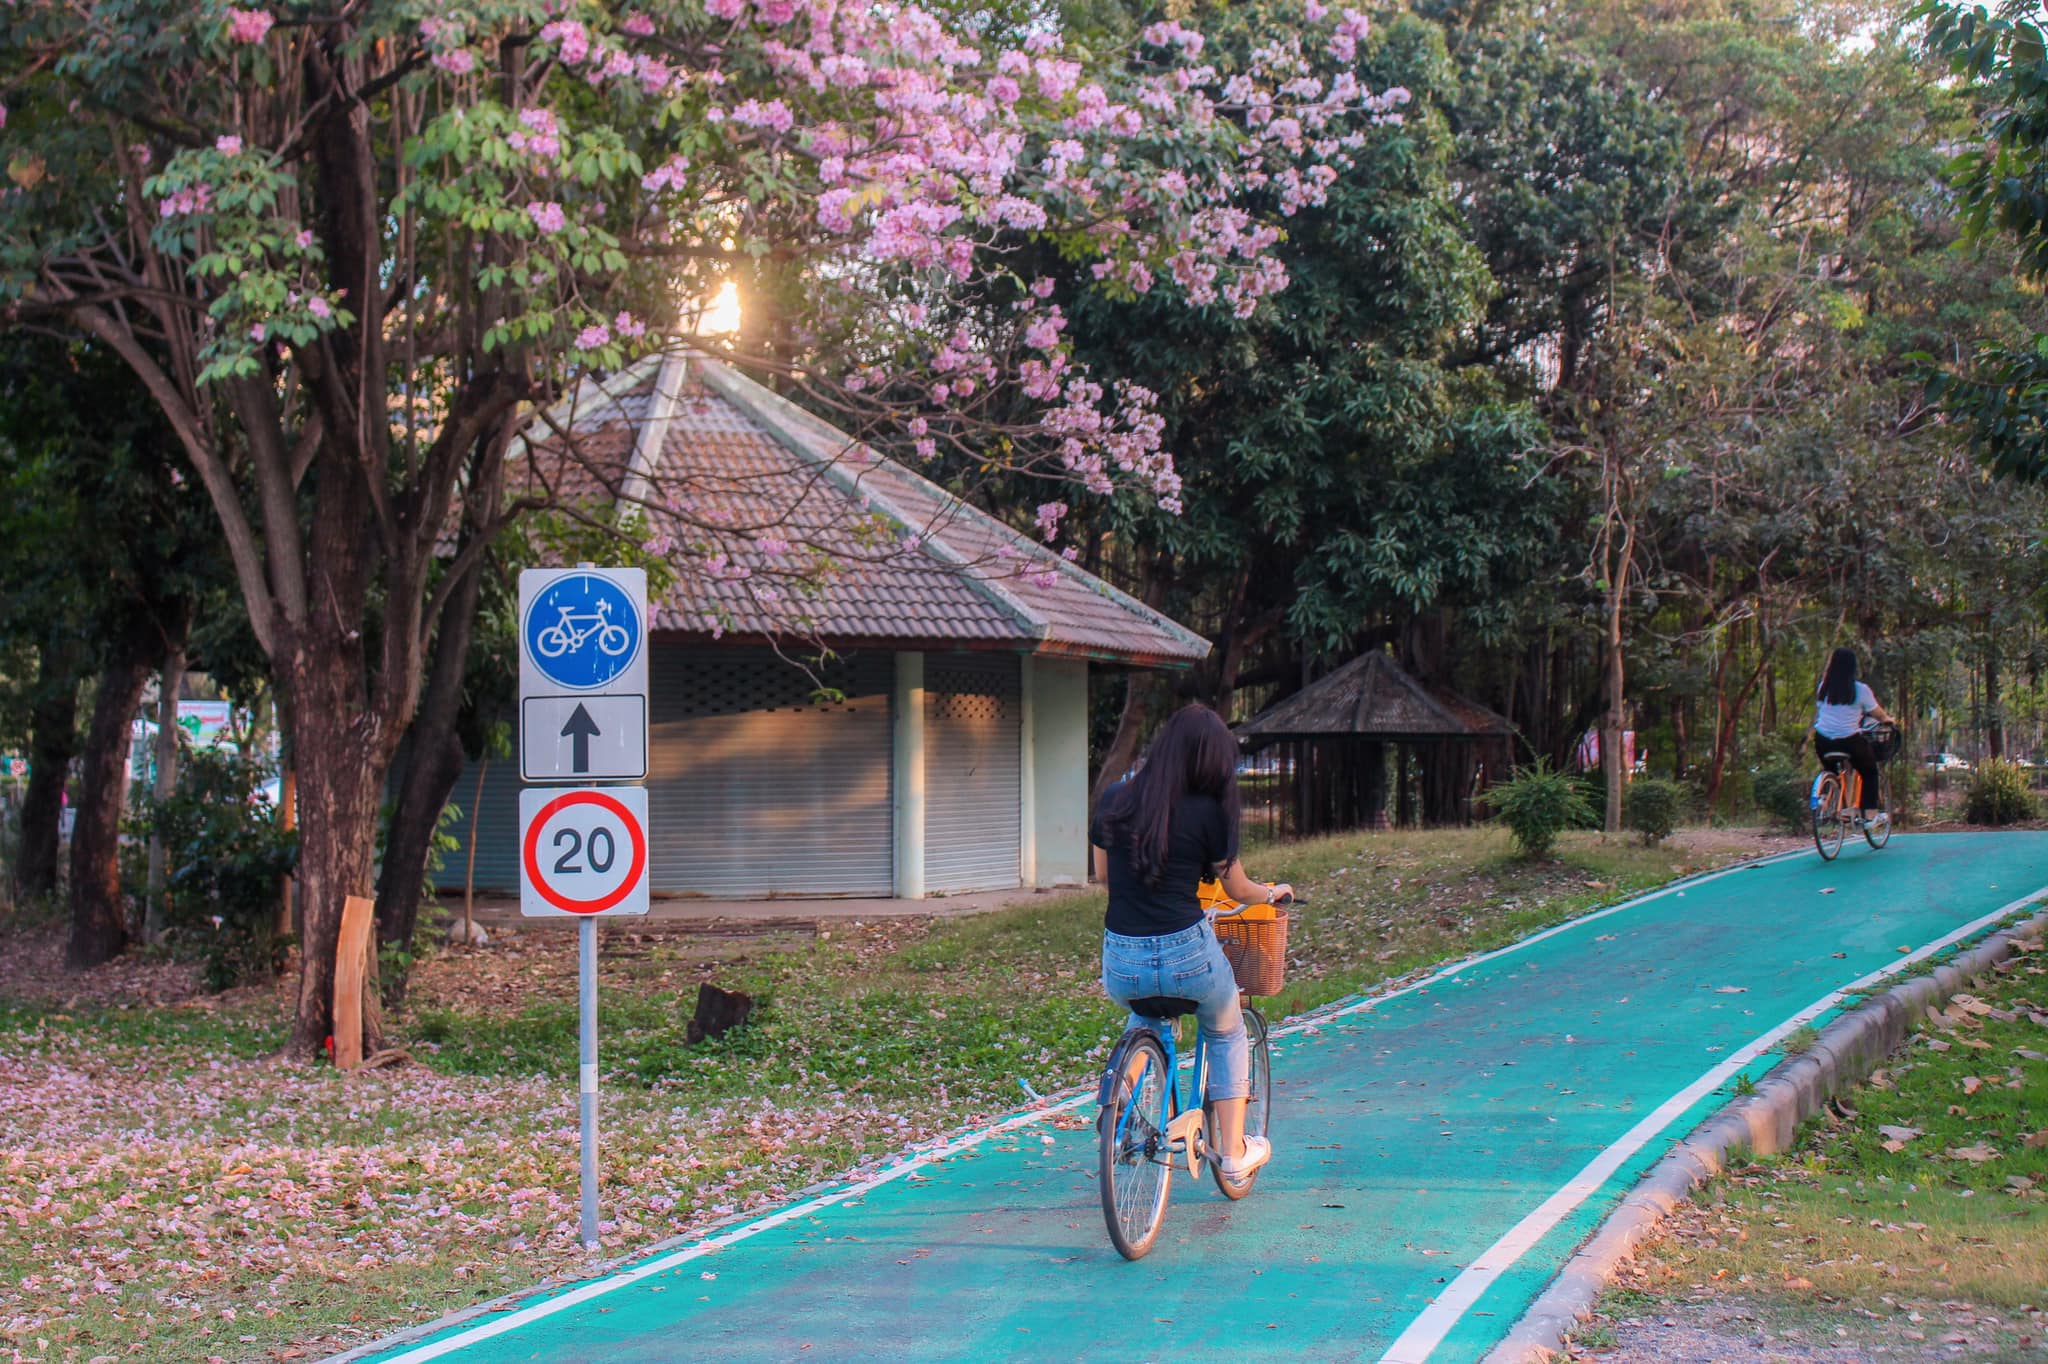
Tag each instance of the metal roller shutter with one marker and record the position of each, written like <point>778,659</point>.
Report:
<point>755,790</point>
<point>497,847</point>
<point>973,773</point>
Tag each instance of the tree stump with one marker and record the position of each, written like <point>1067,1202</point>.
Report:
<point>718,1012</point>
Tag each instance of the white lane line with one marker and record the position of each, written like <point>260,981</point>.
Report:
<point>1427,1331</point>
<point>526,1316</point>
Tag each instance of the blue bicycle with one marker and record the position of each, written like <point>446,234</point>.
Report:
<point>1147,1126</point>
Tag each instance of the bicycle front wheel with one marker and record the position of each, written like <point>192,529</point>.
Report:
<point>1135,1168</point>
<point>1877,830</point>
<point>1827,816</point>
<point>1258,1110</point>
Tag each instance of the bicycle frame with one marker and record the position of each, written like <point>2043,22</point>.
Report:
<point>1170,1104</point>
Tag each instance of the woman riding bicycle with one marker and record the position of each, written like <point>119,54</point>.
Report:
<point>1840,707</point>
<point>1157,835</point>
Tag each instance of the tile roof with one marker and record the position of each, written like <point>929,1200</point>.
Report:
<point>1372,697</point>
<point>759,495</point>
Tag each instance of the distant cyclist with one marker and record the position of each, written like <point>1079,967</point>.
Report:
<point>1842,709</point>
<point>1157,836</point>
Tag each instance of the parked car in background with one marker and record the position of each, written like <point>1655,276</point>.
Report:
<point>1945,762</point>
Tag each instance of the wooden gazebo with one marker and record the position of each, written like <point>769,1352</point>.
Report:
<point>1330,746</point>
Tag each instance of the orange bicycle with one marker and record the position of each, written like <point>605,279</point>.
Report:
<point>1837,797</point>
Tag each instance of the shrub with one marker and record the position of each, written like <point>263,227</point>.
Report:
<point>226,859</point>
<point>1652,807</point>
<point>1998,794</point>
<point>1537,805</point>
<point>1781,792</point>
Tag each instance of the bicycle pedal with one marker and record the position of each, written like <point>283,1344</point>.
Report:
<point>1186,1128</point>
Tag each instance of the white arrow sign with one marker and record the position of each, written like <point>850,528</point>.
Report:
<point>583,738</point>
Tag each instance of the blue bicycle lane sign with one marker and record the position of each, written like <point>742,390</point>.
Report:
<point>583,631</point>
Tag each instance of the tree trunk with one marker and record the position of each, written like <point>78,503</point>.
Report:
<point>1615,721</point>
<point>1678,738</point>
<point>168,687</point>
<point>341,764</point>
<point>52,743</point>
<point>99,921</point>
<point>433,765</point>
<point>1994,719</point>
<point>1140,694</point>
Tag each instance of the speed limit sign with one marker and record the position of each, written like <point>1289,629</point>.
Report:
<point>583,852</point>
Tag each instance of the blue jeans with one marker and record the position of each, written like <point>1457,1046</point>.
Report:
<point>1186,965</point>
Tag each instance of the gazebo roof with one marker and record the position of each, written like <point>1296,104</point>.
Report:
<point>764,481</point>
<point>1372,698</point>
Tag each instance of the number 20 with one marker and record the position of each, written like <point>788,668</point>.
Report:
<point>567,861</point>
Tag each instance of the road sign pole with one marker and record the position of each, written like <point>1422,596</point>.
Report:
<point>586,1071</point>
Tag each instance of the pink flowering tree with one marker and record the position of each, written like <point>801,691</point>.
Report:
<point>350,248</point>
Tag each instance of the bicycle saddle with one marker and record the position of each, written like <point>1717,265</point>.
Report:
<point>1162,1006</point>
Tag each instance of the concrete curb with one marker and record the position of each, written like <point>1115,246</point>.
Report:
<point>1766,1122</point>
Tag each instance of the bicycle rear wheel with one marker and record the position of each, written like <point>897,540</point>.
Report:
<point>1135,1169</point>
<point>1827,816</point>
<point>1877,830</point>
<point>1258,1111</point>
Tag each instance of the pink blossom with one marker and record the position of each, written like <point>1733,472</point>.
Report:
<point>304,239</point>
<point>548,217</point>
<point>456,61</point>
<point>629,326</point>
<point>668,175</point>
<point>774,115</point>
<point>593,336</point>
<point>248,25</point>
<point>192,199</point>
<point>725,9</point>
<point>539,133</point>
<point>258,332</point>
<point>572,40</point>
<point>319,307</point>
<point>229,145</point>
<point>638,24</point>
<point>1049,514</point>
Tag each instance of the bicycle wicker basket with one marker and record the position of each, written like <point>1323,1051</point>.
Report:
<point>1257,949</point>
<point>1886,741</point>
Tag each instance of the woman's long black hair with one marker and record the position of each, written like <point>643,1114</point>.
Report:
<point>1194,754</point>
<point>1838,684</point>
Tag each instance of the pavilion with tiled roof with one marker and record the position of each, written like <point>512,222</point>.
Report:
<point>953,753</point>
<point>1334,735</point>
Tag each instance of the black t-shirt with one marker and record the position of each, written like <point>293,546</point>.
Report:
<point>1199,843</point>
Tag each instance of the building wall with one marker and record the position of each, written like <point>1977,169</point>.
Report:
<point>1058,758</point>
<point>940,772</point>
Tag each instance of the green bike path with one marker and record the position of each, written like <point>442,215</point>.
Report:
<point>1441,1151</point>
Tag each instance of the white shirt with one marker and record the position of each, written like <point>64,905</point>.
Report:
<point>1842,722</point>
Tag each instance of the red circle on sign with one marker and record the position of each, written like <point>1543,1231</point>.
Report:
<point>532,852</point>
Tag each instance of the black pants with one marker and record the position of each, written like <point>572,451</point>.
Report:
<point>1861,756</point>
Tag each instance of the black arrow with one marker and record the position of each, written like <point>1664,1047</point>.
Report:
<point>580,730</point>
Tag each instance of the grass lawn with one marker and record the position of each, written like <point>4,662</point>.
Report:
<point>173,1190</point>
<point>1911,1223</point>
